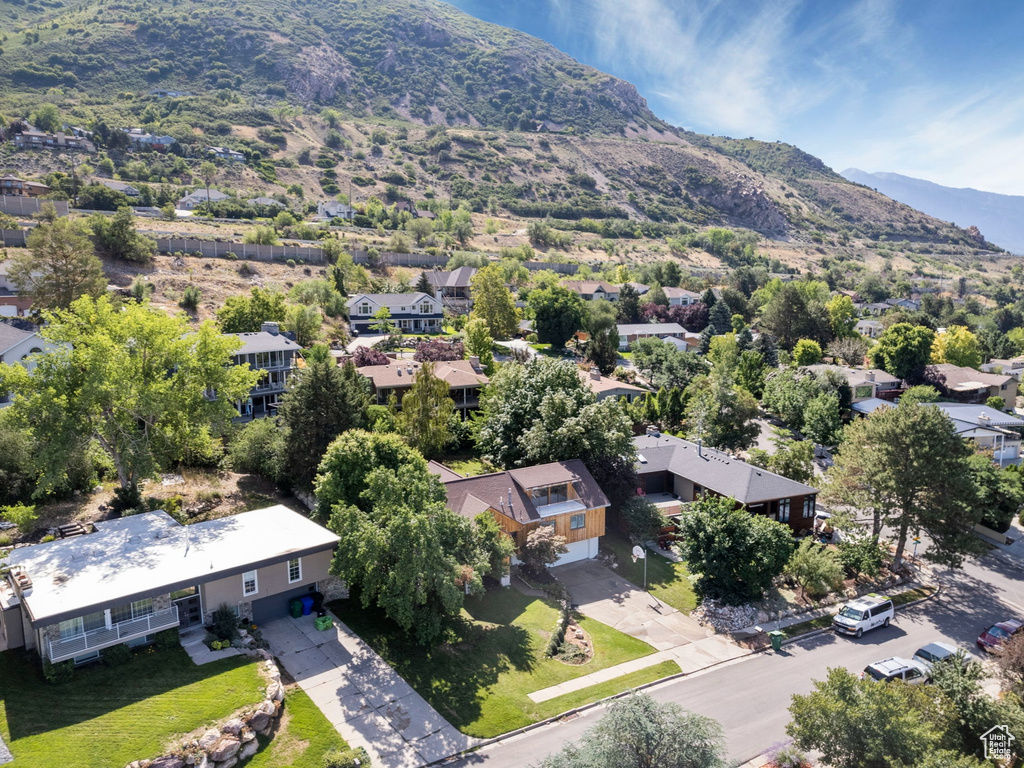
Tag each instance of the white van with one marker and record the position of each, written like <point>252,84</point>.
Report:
<point>858,616</point>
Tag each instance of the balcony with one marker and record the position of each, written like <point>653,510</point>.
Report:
<point>561,508</point>
<point>93,640</point>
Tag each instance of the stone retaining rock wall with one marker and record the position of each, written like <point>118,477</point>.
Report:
<point>234,741</point>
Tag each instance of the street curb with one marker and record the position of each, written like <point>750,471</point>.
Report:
<point>677,676</point>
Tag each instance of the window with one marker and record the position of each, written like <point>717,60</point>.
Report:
<point>553,494</point>
<point>249,585</point>
<point>810,503</point>
<point>364,309</point>
<point>425,308</point>
<point>578,521</point>
<point>295,570</point>
<point>783,516</point>
<point>131,611</point>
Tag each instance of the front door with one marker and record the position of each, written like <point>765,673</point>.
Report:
<point>189,613</point>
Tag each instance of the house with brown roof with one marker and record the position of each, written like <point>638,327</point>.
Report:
<point>966,385</point>
<point>16,187</point>
<point>465,380</point>
<point>452,287</point>
<point>605,386</point>
<point>680,297</point>
<point>562,494</point>
<point>591,290</point>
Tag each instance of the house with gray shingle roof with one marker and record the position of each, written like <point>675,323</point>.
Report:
<point>678,469</point>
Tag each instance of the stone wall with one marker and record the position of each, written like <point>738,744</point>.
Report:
<point>233,742</point>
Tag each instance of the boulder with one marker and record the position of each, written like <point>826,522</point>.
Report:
<point>260,721</point>
<point>168,761</point>
<point>248,749</point>
<point>225,749</point>
<point>208,739</point>
<point>275,691</point>
<point>232,727</point>
<point>228,763</point>
<point>247,735</point>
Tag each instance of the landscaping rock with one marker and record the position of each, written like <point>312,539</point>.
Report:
<point>726,618</point>
<point>248,749</point>
<point>225,749</point>
<point>169,761</point>
<point>275,691</point>
<point>228,763</point>
<point>247,735</point>
<point>232,727</point>
<point>208,739</point>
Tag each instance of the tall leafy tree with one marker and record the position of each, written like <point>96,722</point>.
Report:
<point>842,316</point>
<point>792,458</point>
<point>795,312</point>
<point>478,342</point>
<point>246,314</point>
<point>558,314</point>
<point>909,468</point>
<point>59,265</point>
<point>735,554</point>
<point>666,366</point>
<point>601,323</point>
<point>720,413</point>
<point>822,421</point>
<point>628,306</point>
<point>117,237</point>
<point>426,412</point>
<point>324,401</point>
<point>133,379</point>
<point>638,732</point>
<point>904,350</point>
<point>493,302</point>
<point>957,346</point>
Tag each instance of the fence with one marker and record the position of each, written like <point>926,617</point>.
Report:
<point>26,206</point>
<point>241,250</point>
<point>13,238</point>
<point>562,269</point>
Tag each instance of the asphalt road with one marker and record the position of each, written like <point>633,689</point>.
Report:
<point>750,696</point>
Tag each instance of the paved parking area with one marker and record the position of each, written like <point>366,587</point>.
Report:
<point>369,704</point>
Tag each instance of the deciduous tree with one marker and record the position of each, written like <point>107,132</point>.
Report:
<point>58,267</point>
<point>558,314</point>
<point>543,547</point>
<point>426,412</point>
<point>957,346</point>
<point>479,343</point>
<point>246,314</point>
<point>117,238</point>
<point>815,567</point>
<point>904,350</point>
<point>493,302</point>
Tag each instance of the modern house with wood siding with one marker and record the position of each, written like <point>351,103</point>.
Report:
<point>130,578</point>
<point>562,494</point>
<point>675,471</point>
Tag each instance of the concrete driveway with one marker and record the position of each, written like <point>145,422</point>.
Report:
<point>368,703</point>
<point>605,596</point>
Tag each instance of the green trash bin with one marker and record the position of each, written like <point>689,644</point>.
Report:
<point>777,637</point>
<point>295,608</point>
<point>323,623</point>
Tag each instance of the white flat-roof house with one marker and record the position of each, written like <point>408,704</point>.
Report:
<point>139,575</point>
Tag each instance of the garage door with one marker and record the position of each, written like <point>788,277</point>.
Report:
<point>274,607</point>
<point>579,550</point>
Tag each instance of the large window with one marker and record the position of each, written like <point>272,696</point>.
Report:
<point>552,494</point>
<point>578,521</point>
<point>364,309</point>
<point>783,510</point>
<point>82,624</point>
<point>294,570</point>
<point>249,584</point>
<point>810,503</point>
<point>131,611</point>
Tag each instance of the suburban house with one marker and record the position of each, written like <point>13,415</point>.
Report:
<point>199,196</point>
<point>34,139</point>
<point>135,576</point>
<point>410,312</point>
<point>16,187</point>
<point>144,139</point>
<point>870,328</point>
<point>332,209</point>
<point>866,383</point>
<point>162,93</point>
<point>688,342</point>
<point>266,201</point>
<point>638,287</point>
<point>674,471</point>
<point>680,297</point>
<point>130,190</point>
<point>966,385</point>
<point>273,353</point>
<point>1012,366</point>
<point>452,287</point>
<point>231,155</point>
<point>591,290</point>
<point>562,494</point>
<point>465,380</point>
<point>631,332</point>
<point>12,303</point>
<point>16,345</point>
<point>605,387</point>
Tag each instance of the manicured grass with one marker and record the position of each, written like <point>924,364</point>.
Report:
<point>911,595</point>
<point>466,464</point>
<point>795,630</point>
<point>492,657</point>
<point>110,716</point>
<point>600,691</point>
<point>302,738</point>
<point>666,580</point>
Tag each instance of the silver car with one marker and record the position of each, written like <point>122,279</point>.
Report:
<point>896,668</point>
<point>933,653</point>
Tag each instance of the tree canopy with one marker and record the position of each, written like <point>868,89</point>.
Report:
<point>246,314</point>
<point>558,314</point>
<point>903,350</point>
<point>493,302</point>
<point>59,265</point>
<point>957,346</point>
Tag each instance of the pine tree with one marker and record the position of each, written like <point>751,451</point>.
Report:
<point>423,285</point>
<point>720,320</point>
<point>426,412</point>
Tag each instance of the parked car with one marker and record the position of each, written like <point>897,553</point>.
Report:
<point>863,614</point>
<point>896,668</point>
<point>931,654</point>
<point>998,634</point>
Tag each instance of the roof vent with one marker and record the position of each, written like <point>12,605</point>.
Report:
<point>21,577</point>
<point>984,417</point>
<point>653,431</point>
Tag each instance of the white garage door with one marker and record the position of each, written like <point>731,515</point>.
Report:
<point>580,550</point>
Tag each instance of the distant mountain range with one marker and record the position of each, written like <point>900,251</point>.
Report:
<point>999,217</point>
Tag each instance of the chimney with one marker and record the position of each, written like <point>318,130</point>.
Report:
<point>700,447</point>
<point>870,376</point>
<point>652,431</point>
<point>474,362</point>
<point>595,374</point>
<point>272,328</point>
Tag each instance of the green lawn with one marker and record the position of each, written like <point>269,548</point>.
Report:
<point>466,464</point>
<point>492,658</point>
<point>569,701</point>
<point>302,739</point>
<point>666,580</point>
<point>110,716</point>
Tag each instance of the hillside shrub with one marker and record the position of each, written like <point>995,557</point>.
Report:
<point>59,673</point>
<point>116,655</point>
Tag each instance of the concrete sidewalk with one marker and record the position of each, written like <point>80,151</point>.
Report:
<point>368,703</point>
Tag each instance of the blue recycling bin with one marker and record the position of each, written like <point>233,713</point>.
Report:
<point>307,605</point>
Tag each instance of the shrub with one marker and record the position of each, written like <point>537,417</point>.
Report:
<point>345,758</point>
<point>291,263</point>
<point>364,356</point>
<point>571,653</point>
<point>190,298</point>
<point>116,655</point>
<point>58,673</point>
<point>258,449</point>
<point>231,256</point>
<point>861,556</point>
<point>531,338</point>
<point>22,515</point>
<point>127,499</point>
<point>166,640</point>
<point>5,540</point>
<point>47,539</point>
<point>225,624</point>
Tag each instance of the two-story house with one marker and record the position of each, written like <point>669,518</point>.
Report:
<point>967,385</point>
<point>680,297</point>
<point>562,494</point>
<point>465,379</point>
<point>675,471</point>
<point>16,187</point>
<point>332,209</point>
<point>19,345</point>
<point>273,353</point>
<point>631,332</point>
<point>592,290</point>
<point>231,155</point>
<point>132,577</point>
<point>866,383</point>
<point>34,139</point>
<point>410,312</point>
<point>453,287</point>
<point>196,197</point>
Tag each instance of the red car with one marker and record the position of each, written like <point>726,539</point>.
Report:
<point>998,634</point>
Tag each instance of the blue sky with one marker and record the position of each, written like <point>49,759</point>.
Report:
<point>928,89</point>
